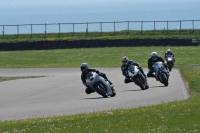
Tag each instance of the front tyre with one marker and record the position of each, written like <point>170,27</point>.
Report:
<point>170,65</point>
<point>147,86</point>
<point>164,79</point>
<point>141,82</point>
<point>100,89</point>
<point>113,91</point>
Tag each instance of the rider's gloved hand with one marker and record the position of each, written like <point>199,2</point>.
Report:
<point>97,72</point>
<point>127,76</point>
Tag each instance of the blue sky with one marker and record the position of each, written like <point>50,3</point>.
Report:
<point>85,2</point>
<point>98,4</point>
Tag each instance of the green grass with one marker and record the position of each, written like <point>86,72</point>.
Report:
<point>174,117</point>
<point>104,35</point>
<point>95,57</point>
<point>2,79</point>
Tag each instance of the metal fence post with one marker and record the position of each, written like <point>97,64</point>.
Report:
<point>167,26</point>
<point>180,27</point>
<point>3,32</point>
<point>192,26</point>
<point>45,30</point>
<point>31,30</point>
<point>154,27</point>
<point>86,29</point>
<point>114,27</point>
<point>128,28</point>
<point>17,30</point>
<point>100,28</point>
<point>59,29</point>
<point>141,27</point>
<point>73,29</point>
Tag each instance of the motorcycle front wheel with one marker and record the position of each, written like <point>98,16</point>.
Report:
<point>140,81</point>
<point>100,89</point>
<point>164,79</point>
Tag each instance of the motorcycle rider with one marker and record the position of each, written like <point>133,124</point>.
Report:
<point>124,67</point>
<point>169,52</point>
<point>153,59</point>
<point>85,70</point>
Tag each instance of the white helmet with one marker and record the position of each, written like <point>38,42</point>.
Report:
<point>154,55</point>
<point>168,51</point>
<point>125,60</point>
<point>84,67</point>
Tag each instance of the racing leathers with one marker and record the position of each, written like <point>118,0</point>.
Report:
<point>151,62</point>
<point>88,89</point>
<point>124,69</point>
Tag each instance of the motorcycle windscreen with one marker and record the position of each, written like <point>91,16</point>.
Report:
<point>169,57</point>
<point>131,68</point>
<point>158,67</point>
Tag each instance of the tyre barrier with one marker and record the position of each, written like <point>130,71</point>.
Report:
<point>45,45</point>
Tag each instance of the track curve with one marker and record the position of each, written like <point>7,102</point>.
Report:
<point>61,92</point>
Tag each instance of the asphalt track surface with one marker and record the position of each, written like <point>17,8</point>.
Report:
<point>61,92</point>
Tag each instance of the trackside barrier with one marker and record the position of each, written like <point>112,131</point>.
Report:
<point>44,45</point>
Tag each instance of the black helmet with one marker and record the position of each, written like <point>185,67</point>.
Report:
<point>84,67</point>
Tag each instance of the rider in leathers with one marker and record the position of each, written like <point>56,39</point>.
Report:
<point>85,70</point>
<point>153,59</point>
<point>125,63</point>
<point>169,52</point>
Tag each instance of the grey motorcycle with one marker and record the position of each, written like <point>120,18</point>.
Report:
<point>100,85</point>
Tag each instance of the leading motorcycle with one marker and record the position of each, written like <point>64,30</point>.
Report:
<point>100,85</point>
<point>161,73</point>
<point>170,62</point>
<point>137,77</point>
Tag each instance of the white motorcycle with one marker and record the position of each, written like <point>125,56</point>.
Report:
<point>137,77</point>
<point>100,85</point>
<point>170,62</point>
<point>161,73</point>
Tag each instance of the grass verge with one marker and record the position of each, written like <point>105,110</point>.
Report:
<point>179,116</point>
<point>14,78</point>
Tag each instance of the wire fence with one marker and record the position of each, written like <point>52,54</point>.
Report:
<point>99,27</point>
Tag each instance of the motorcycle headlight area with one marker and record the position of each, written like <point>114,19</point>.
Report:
<point>169,59</point>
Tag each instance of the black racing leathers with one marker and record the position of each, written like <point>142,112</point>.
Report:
<point>88,89</point>
<point>151,62</point>
<point>124,69</point>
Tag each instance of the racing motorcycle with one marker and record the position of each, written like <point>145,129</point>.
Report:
<point>100,85</point>
<point>161,73</point>
<point>170,62</point>
<point>137,77</point>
